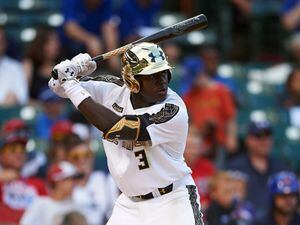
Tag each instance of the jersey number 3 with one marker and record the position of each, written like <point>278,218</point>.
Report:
<point>141,155</point>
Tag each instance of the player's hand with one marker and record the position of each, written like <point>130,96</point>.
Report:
<point>55,86</point>
<point>67,70</point>
<point>85,63</point>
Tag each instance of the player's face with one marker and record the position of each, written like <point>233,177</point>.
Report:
<point>154,87</point>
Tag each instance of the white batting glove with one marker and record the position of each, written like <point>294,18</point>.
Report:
<point>55,86</point>
<point>85,63</point>
<point>67,70</point>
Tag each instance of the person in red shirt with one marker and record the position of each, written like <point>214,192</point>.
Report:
<point>212,110</point>
<point>16,192</point>
<point>203,169</point>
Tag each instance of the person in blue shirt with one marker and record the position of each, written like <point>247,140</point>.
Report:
<point>53,110</point>
<point>258,164</point>
<point>89,25</point>
<point>136,14</point>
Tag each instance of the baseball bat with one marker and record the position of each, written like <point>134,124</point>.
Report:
<point>175,30</point>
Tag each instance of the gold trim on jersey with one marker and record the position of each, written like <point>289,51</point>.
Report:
<point>122,124</point>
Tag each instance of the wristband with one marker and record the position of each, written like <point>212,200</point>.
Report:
<point>75,92</point>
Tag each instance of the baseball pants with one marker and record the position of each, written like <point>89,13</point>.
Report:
<point>181,206</point>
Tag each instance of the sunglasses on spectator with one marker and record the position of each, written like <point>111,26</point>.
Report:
<point>263,134</point>
<point>14,148</point>
<point>76,156</point>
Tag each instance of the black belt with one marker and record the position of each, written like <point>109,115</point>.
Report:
<point>162,191</point>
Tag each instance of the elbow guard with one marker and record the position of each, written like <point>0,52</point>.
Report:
<point>129,127</point>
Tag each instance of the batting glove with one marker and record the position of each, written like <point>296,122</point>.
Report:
<point>85,63</point>
<point>55,86</point>
<point>67,70</point>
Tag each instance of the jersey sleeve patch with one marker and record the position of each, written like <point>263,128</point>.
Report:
<point>164,115</point>
<point>105,78</point>
<point>127,128</point>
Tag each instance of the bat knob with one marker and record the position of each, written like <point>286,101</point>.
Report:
<point>54,74</point>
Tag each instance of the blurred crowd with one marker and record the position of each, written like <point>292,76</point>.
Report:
<point>240,179</point>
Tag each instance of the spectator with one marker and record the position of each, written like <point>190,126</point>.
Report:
<point>41,56</point>
<point>53,110</point>
<point>244,12</point>
<point>16,192</point>
<point>291,96</point>
<point>50,210</point>
<point>211,109</point>
<point>210,56</point>
<point>94,194</point>
<point>293,48</point>
<point>258,164</point>
<point>243,212</point>
<point>74,218</point>
<point>135,15</point>
<point>13,84</point>
<point>203,169</point>
<point>174,53</point>
<point>284,199</point>
<point>191,66</point>
<point>221,192</point>
<point>88,23</point>
<point>292,89</point>
<point>60,132</point>
<point>290,15</point>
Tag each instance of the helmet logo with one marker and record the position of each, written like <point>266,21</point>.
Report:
<point>156,55</point>
<point>132,58</point>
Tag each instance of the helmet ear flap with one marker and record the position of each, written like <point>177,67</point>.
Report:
<point>169,76</point>
<point>129,79</point>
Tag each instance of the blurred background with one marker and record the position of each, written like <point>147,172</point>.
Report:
<point>240,80</point>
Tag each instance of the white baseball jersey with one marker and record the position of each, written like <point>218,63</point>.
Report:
<point>137,168</point>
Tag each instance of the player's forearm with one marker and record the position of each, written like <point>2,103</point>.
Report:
<point>98,115</point>
<point>291,19</point>
<point>76,32</point>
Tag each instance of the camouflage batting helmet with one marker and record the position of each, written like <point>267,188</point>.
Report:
<point>143,59</point>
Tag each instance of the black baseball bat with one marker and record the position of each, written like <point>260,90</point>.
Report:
<point>175,30</point>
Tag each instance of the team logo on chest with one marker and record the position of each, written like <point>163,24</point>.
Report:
<point>118,108</point>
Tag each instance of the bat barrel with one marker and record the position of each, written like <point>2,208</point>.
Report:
<point>178,29</point>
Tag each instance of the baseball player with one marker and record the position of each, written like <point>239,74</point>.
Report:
<point>144,125</point>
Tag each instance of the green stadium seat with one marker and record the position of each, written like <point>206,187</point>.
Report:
<point>9,113</point>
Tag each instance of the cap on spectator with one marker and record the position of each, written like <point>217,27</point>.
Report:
<point>260,128</point>
<point>61,129</point>
<point>284,182</point>
<point>192,66</point>
<point>48,96</point>
<point>62,171</point>
<point>14,131</point>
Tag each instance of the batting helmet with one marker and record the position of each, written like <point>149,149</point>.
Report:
<point>143,59</point>
<point>283,183</point>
